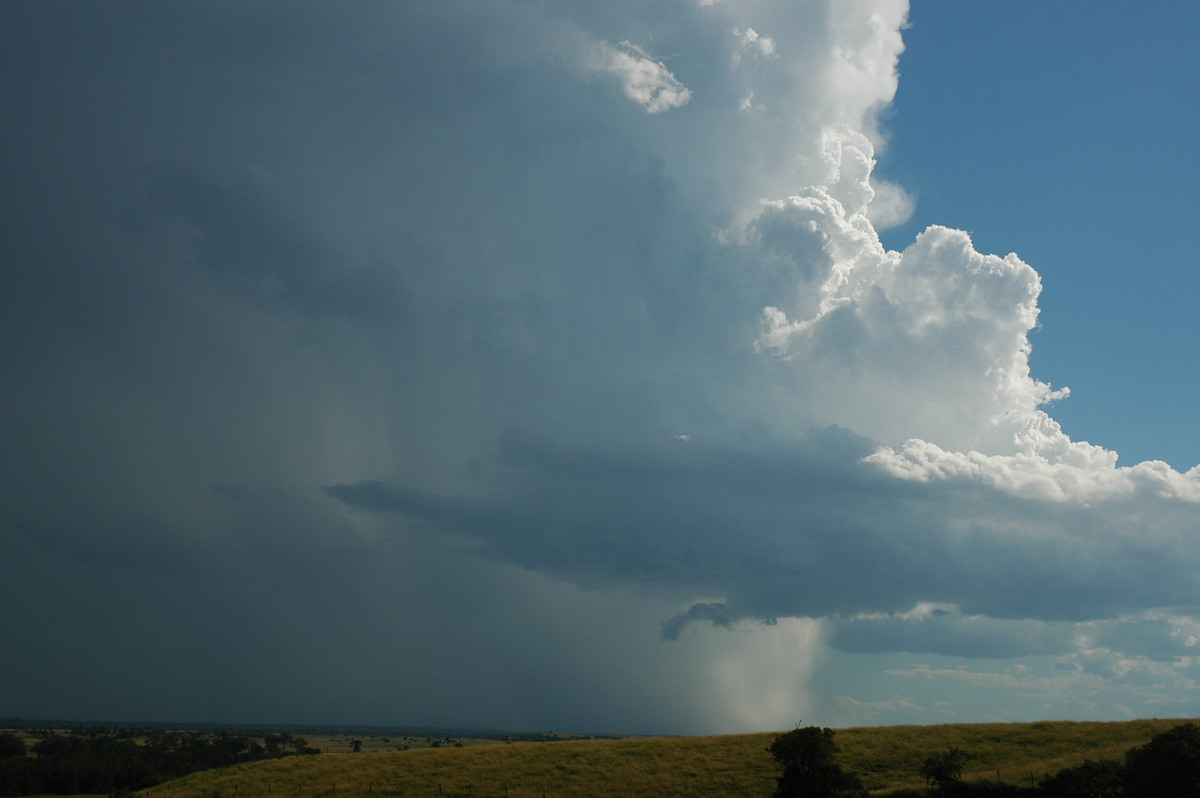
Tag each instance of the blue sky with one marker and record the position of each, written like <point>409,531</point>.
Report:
<point>1060,131</point>
<point>639,367</point>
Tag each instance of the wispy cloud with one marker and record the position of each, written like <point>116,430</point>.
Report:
<point>644,80</point>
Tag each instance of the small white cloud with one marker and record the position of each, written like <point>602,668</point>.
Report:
<point>873,710</point>
<point>996,679</point>
<point>748,104</point>
<point>644,80</point>
<point>750,40</point>
<point>891,206</point>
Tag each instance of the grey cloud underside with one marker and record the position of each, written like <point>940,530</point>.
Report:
<point>717,613</point>
<point>953,635</point>
<point>805,529</point>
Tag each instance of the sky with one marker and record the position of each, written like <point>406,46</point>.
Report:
<point>687,367</point>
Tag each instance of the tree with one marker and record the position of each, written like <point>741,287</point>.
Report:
<point>1089,780</point>
<point>1168,765</point>
<point>945,770</point>
<point>809,770</point>
<point>61,746</point>
<point>11,745</point>
<point>273,744</point>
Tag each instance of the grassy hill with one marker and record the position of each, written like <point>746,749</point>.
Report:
<point>885,758</point>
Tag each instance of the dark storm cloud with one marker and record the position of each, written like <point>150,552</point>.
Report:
<point>262,254</point>
<point>251,251</point>
<point>715,613</point>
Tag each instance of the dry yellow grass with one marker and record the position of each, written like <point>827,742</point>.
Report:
<point>694,766</point>
<point>731,766</point>
<point>888,757</point>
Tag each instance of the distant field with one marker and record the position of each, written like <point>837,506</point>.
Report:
<point>736,765</point>
<point>341,743</point>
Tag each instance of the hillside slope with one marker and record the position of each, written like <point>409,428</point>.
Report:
<point>730,766</point>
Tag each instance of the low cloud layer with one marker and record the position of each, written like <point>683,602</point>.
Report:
<point>548,350</point>
<point>799,530</point>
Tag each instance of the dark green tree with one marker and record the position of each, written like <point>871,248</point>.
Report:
<point>1089,780</point>
<point>300,744</point>
<point>11,745</point>
<point>807,756</point>
<point>61,746</point>
<point>1167,765</point>
<point>945,770</point>
<point>273,745</point>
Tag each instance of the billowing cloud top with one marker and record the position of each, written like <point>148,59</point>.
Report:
<point>330,315</point>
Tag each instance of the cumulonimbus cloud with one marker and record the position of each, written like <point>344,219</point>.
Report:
<point>954,484</point>
<point>457,288</point>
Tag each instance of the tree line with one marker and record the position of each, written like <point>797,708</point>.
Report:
<point>69,764</point>
<point>1166,767</point>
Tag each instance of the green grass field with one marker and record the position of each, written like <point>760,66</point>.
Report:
<point>885,758</point>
